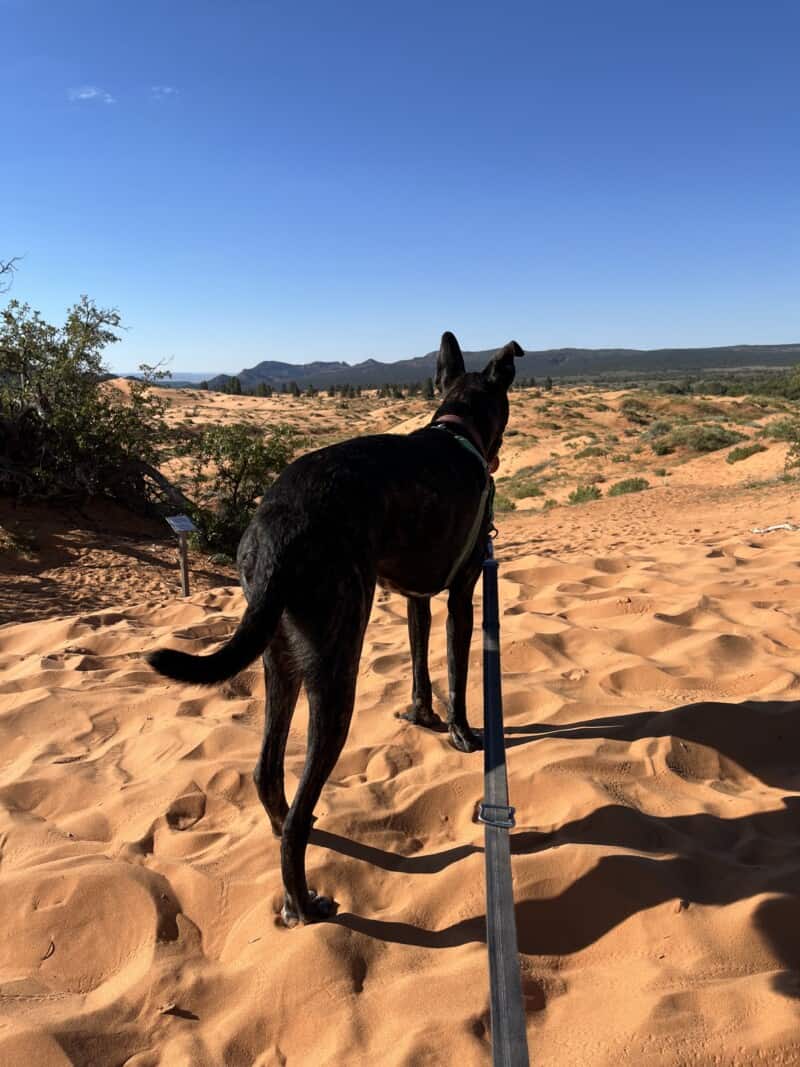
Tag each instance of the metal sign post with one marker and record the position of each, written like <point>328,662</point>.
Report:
<point>182,525</point>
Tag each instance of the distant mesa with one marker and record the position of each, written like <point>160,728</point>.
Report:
<point>555,362</point>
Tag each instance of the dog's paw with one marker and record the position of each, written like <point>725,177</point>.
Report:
<point>316,909</point>
<point>423,717</point>
<point>464,739</point>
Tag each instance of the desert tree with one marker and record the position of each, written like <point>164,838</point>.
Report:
<point>63,432</point>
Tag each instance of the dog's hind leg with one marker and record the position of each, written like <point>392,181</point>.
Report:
<point>419,628</point>
<point>459,636</point>
<point>330,711</point>
<point>282,679</point>
<point>330,679</point>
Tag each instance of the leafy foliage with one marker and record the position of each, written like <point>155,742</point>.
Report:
<point>503,503</point>
<point>584,493</point>
<point>736,455</point>
<point>232,467</point>
<point>706,438</point>
<point>782,430</point>
<point>522,487</point>
<point>62,433</point>
<point>629,485</point>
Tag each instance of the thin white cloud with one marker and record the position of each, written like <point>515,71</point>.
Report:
<point>162,92</point>
<point>91,92</point>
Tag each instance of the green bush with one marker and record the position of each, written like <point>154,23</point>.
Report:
<point>663,448</point>
<point>584,493</point>
<point>708,438</point>
<point>629,485</point>
<point>523,487</point>
<point>782,430</point>
<point>697,439</point>
<point>659,428</point>
<point>635,410</point>
<point>63,433</point>
<point>503,503</point>
<point>232,466</point>
<point>591,450</point>
<point>736,455</point>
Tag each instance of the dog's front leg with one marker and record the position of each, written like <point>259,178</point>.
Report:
<point>419,628</point>
<point>459,636</point>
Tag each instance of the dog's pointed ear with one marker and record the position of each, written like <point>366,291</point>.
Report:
<point>500,369</point>
<point>449,362</point>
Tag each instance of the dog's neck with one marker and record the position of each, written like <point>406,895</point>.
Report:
<point>467,427</point>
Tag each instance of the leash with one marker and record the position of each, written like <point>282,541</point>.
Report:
<point>509,1041</point>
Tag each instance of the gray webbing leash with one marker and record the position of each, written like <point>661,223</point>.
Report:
<point>509,1041</point>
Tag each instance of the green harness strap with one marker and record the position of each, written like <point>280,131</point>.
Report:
<point>485,507</point>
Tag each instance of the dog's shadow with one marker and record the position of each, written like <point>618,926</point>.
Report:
<point>692,859</point>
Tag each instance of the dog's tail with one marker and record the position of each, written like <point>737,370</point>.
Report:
<point>249,640</point>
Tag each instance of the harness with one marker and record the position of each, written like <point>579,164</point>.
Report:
<point>485,506</point>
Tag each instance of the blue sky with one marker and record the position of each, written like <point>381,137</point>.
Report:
<point>327,180</point>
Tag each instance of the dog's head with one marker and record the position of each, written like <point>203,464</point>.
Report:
<point>480,397</point>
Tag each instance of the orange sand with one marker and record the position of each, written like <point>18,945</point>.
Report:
<point>650,649</point>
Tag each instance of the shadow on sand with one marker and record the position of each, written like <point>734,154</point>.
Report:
<point>692,859</point>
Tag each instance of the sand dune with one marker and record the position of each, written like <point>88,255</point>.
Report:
<point>651,697</point>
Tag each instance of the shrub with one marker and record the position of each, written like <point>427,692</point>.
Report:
<point>527,472</point>
<point>63,434</point>
<point>659,428</point>
<point>591,450</point>
<point>584,493</point>
<point>503,503</point>
<point>635,410</point>
<point>707,438</point>
<point>551,502</point>
<point>736,455</point>
<point>232,466</point>
<point>629,485</point>
<point>697,439</point>
<point>663,448</point>
<point>661,472</point>
<point>782,430</point>
<point>523,487</point>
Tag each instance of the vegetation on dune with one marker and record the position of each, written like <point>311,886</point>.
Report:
<point>787,429</point>
<point>591,451</point>
<point>66,436</point>
<point>736,455</point>
<point>635,410</point>
<point>522,487</point>
<point>584,493</point>
<point>503,503</point>
<point>702,438</point>
<point>705,438</point>
<point>231,467</point>
<point>62,435</point>
<point>629,485</point>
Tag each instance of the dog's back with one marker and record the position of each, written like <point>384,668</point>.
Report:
<point>391,503</point>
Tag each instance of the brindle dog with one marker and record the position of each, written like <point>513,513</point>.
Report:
<point>393,509</point>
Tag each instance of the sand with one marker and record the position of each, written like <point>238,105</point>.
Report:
<point>650,647</point>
